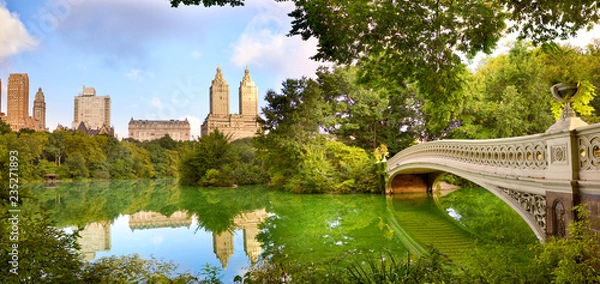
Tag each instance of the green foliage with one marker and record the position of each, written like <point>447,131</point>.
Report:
<point>370,113</point>
<point>214,161</point>
<point>4,127</point>
<point>214,177</point>
<point>78,156</point>
<point>133,269</point>
<point>575,259</point>
<point>45,254</point>
<point>433,267</point>
<point>297,157</point>
<point>506,97</point>
<point>210,152</point>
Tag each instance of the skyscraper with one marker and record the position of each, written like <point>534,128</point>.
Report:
<point>39,109</point>
<point>17,105</point>
<point>92,110</point>
<point>248,95</point>
<point>219,95</point>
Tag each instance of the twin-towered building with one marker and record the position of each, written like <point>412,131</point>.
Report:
<point>240,125</point>
<point>237,126</point>
<point>17,105</point>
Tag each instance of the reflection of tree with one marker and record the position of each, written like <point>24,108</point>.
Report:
<point>80,203</point>
<point>326,227</point>
<point>488,216</point>
<point>216,208</point>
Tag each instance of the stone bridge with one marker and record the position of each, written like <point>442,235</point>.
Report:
<point>540,176</point>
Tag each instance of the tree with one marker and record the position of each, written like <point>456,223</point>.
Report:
<point>292,120</point>
<point>366,115</point>
<point>420,41</point>
<point>55,148</point>
<point>506,97</point>
<point>4,127</point>
<point>212,151</point>
<point>572,66</point>
<point>45,254</point>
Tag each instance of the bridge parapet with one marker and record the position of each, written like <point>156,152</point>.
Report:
<point>588,150</point>
<point>541,176</point>
<point>540,156</point>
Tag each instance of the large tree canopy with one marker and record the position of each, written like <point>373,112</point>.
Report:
<point>419,42</point>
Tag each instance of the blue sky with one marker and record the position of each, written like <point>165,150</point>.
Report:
<point>154,61</point>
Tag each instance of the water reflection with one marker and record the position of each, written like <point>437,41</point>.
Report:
<point>148,220</point>
<point>235,228</point>
<point>94,237</point>
<point>223,245</point>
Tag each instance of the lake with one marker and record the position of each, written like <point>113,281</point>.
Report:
<point>234,228</point>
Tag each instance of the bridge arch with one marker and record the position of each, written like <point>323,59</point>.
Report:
<point>542,176</point>
<point>424,177</point>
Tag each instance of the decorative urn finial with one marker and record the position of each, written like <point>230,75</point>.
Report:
<point>566,94</point>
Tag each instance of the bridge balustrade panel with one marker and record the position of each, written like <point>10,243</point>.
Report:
<point>588,141</point>
<point>519,157</point>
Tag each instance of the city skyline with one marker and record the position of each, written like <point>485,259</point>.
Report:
<point>154,61</point>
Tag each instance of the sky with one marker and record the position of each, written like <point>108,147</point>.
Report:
<point>154,61</point>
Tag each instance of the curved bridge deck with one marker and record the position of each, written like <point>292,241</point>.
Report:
<point>541,176</point>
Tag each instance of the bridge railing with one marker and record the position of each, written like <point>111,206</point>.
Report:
<point>588,151</point>
<point>539,156</point>
<point>507,155</point>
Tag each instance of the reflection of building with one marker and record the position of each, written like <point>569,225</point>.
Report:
<point>147,220</point>
<point>92,110</point>
<point>223,247</point>
<point>143,130</point>
<point>248,222</point>
<point>95,237</point>
<point>237,125</point>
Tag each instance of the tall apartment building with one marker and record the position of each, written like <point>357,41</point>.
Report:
<point>17,101</point>
<point>39,109</point>
<point>92,110</point>
<point>144,130</point>
<point>237,125</point>
<point>17,105</point>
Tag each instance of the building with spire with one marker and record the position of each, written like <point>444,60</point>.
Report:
<point>17,105</point>
<point>239,125</point>
<point>39,109</point>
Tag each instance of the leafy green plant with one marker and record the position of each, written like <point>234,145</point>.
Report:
<point>575,259</point>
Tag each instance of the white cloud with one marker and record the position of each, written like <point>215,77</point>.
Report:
<point>14,37</point>
<point>265,44</point>
<point>135,75</point>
